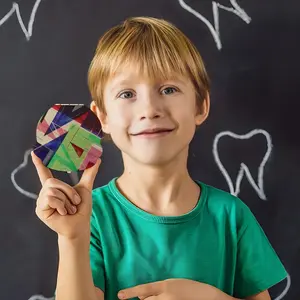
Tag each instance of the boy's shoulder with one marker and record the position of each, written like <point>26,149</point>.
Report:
<point>101,191</point>
<point>103,195</point>
<point>217,198</point>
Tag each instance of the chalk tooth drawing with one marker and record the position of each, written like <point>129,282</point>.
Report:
<point>16,170</point>
<point>16,9</point>
<point>215,29</point>
<point>285,291</point>
<point>40,297</point>
<point>258,187</point>
<point>244,170</point>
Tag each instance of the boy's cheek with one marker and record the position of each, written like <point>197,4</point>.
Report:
<point>119,134</point>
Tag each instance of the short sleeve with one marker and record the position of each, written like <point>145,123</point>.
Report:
<point>258,267</point>
<point>96,255</point>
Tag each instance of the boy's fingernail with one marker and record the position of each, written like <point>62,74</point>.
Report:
<point>74,209</point>
<point>121,295</point>
<point>77,199</point>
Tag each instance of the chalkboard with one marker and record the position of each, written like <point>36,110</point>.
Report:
<point>249,146</point>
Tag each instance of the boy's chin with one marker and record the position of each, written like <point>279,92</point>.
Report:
<point>155,159</point>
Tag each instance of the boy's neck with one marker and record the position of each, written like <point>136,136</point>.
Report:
<point>164,190</point>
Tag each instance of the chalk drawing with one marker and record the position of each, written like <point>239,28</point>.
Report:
<point>258,187</point>
<point>215,29</point>
<point>285,291</point>
<point>16,170</point>
<point>244,170</point>
<point>40,297</point>
<point>16,9</point>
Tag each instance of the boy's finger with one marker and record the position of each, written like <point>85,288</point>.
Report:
<point>141,291</point>
<point>52,203</point>
<point>65,198</point>
<point>43,172</point>
<point>89,175</point>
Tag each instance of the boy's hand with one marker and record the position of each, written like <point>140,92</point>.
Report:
<point>63,208</point>
<point>174,289</point>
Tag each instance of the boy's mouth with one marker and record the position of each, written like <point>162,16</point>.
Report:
<point>153,132</point>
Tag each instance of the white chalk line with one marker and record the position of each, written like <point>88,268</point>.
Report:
<point>235,189</point>
<point>40,297</point>
<point>259,188</point>
<point>16,9</point>
<point>215,29</point>
<point>285,291</point>
<point>16,170</point>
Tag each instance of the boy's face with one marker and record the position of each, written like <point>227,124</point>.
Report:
<point>150,122</point>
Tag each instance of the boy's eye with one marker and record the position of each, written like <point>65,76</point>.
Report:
<point>129,94</point>
<point>126,95</point>
<point>169,90</point>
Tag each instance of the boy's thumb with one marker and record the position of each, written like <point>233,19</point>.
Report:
<point>88,176</point>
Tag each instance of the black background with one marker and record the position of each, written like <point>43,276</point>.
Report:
<point>255,83</point>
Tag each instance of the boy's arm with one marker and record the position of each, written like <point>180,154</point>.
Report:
<point>99,293</point>
<point>261,296</point>
<point>74,280</point>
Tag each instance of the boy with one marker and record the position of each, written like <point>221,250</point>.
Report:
<point>154,232</point>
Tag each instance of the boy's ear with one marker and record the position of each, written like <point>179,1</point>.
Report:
<point>202,113</point>
<point>101,116</point>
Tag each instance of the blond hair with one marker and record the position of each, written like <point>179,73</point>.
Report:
<point>155,46</point>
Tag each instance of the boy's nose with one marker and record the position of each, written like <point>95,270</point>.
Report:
<point>150,111</point>
<point>151,108</point>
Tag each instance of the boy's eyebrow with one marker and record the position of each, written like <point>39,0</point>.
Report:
<point>177,79</point>
<point>118,83</point>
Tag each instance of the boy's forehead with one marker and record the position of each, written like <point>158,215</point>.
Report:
<point>131,74</point>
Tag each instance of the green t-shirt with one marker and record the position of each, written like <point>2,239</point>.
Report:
<point>219,243</point>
